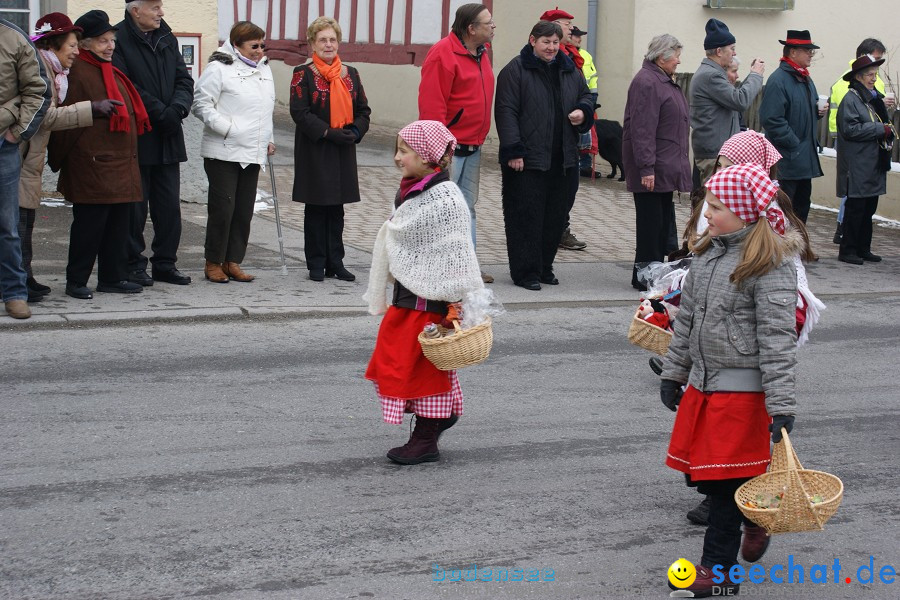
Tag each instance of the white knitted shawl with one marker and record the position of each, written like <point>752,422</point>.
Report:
<point>427,246</point>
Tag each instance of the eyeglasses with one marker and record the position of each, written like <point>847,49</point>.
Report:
<point>489,23</point>
<point>257,46</point>
<point>809,51</point>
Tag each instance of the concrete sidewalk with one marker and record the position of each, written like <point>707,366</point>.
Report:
<point>603,217</point>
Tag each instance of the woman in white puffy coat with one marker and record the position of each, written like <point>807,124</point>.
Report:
<point>235,99</point>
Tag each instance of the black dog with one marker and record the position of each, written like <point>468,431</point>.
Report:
<point>609,142</point>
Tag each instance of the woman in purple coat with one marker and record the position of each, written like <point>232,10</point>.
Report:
<point>655,149</point>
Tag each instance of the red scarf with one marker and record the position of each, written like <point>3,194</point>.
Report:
<point>574,54</point>
<point>119,121</point>
<point>795,66</point>
<point>411,184</point>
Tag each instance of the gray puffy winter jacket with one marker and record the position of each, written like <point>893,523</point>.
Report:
<point>737,339</point>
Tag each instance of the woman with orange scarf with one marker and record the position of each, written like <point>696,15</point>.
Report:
<point>329,106</point>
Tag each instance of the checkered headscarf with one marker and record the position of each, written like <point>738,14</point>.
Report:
<point>748,192</point>
<point>430,139</point>
<point>750,147</point>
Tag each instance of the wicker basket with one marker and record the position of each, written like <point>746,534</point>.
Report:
<point>464,348</point>
<point>796,511</point>
<point>648,336</point>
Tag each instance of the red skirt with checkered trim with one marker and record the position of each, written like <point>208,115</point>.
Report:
<point>398,366</point>
<point>720,435</point>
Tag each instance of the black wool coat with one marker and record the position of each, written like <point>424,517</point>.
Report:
<point>325,172</point>
<point>525,102</point>
<point>157,70</point>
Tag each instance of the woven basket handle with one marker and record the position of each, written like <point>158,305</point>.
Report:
<point>783,456</point>
<point>456,326</point>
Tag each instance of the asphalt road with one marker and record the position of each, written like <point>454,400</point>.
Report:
<point>245,459</point>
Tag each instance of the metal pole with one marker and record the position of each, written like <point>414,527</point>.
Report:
<point>284,270</point>
<point>592,24</point>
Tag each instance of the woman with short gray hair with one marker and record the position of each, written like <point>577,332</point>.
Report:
<point>663,46</point>
<point>655,149</point>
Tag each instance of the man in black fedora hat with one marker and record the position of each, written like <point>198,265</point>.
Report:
<point>789,114</point>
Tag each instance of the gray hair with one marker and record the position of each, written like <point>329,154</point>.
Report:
<point>735,62</point>
<point>133,4</point>
<point>665,46</point>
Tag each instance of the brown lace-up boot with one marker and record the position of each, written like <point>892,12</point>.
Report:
<point>422,445</point>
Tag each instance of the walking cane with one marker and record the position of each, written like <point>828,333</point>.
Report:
<point>284,270</point>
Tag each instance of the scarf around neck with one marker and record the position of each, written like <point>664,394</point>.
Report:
<point>119,121</point>
<point>795,66</point>
<point>61,76</point>
<point>341,103</point>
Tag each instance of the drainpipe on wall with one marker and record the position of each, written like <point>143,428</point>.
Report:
<point>592,28</point>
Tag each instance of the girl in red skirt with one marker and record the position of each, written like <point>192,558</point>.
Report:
<point>735,348</point>
<point>425,249</point>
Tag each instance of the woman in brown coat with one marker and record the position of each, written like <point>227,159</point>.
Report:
<point>329,106</point>
<point>98,165</point>
<point>56,39</point>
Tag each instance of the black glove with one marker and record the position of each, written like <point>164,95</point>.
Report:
<point>670,393</point>
<point>779,421</point>
<point>343,137</point>
<point>170,120</point>
<point>105,108</point>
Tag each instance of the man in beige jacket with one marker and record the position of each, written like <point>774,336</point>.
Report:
<point>24,97</point>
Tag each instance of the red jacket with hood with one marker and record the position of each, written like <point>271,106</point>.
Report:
<point>457,90</point>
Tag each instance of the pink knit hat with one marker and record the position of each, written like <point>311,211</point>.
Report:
<point>429,139</point>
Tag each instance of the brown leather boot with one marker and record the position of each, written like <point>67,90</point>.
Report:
<point>755,543</point>
<point>422,445</point>
<point>214,272</point>
<point>233,270</point>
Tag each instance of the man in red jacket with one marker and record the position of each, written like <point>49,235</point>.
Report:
<point>457,89</point>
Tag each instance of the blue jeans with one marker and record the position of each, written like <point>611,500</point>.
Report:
<point>465,172</point>
<point>841,210</point>
<point>12,274</point>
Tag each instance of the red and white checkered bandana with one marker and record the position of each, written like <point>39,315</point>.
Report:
<point>748,192</point>
<point>429,139</point>
<point>750,147</point>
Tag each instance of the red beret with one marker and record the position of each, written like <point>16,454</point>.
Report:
<point>553,15</point>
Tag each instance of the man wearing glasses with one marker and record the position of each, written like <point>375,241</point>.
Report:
<point>148,54</point>
<point>457,89</point>
<point>789,114</point>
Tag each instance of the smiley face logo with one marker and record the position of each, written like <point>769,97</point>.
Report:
<point>682,573</point>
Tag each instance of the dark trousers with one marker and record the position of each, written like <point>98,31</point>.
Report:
<point>723,534</point>
<point>162,197</point>
<point>26,230</point>
<point>323,236</point>
<point>654,215</point>
<point>573,178</point>
<point>99,232</point>
<point>800,193</point>
<point>857,236</point>
<point>232,194</point>
<point>535,205</point>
